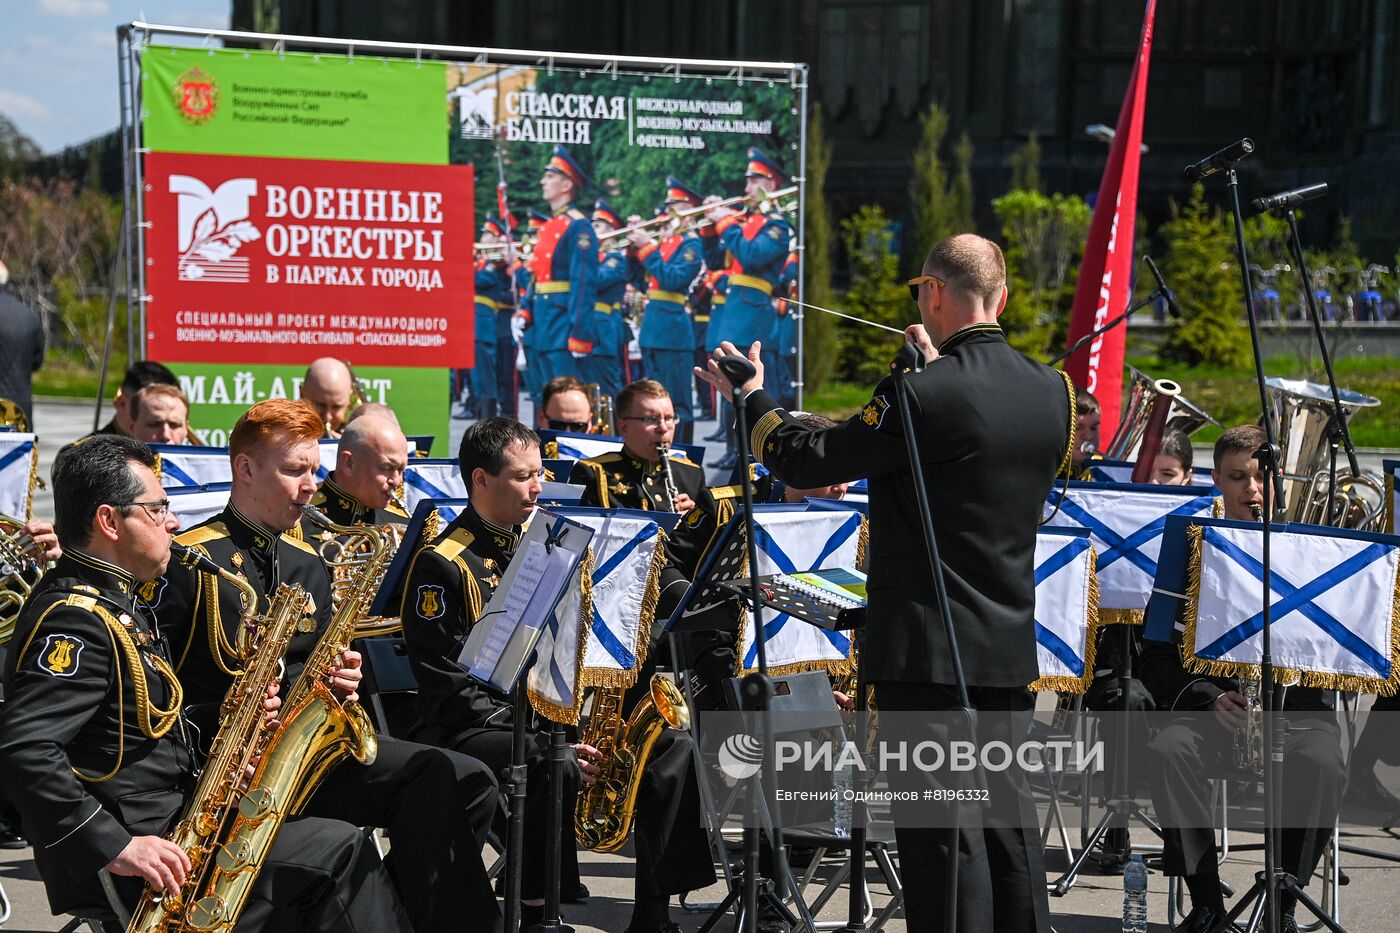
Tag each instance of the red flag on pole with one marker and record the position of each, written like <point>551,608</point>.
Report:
<point>1105,277</point>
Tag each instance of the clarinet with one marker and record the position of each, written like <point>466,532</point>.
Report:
<point>670,481</point>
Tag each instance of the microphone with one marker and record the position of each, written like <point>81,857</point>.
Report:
<point>1172,308</point>
<point>1219,161</point>
<point>1291,198</point>
<point>737,369</point>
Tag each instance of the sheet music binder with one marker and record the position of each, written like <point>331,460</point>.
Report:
<point>498,658</point>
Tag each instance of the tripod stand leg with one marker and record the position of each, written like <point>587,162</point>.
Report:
<point>1304,900</point>
<point>1061,887</point>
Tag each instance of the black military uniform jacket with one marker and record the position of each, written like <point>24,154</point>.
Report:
<point>449,584</point>
<point>87,763</point>
<point>344,509</point>
<point>621,479</point>
<point>191,605</point>
<point>993,428</point>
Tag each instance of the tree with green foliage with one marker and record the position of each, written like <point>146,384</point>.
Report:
<point>16,150</point>
<point>1025,165</point>
<point>960,197</point>
<point>936,210</point>
<point>820,334</point>
<point>875,295</point>
<point>1043,236</point>
<point>1201,264</point>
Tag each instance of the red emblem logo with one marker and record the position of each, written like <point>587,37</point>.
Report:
<point>197,96</point>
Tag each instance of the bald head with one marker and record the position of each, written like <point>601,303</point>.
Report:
<point>373,408</point>
<point>370,460</point>
<point>972,266</point>
<point>327,387</point>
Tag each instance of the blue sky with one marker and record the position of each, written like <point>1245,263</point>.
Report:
<point>58,60</point>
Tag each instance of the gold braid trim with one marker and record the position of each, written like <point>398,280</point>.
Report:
<point>1093,619</point>
<point>1217,507</point>
<point>219,646</point>
<point>34,481</point>
<point>1067,461</point>
<point>1121,616</point>
<point>145,709</point>
<point>758,436</point>
<point>1388,515</point>
<point>569,715</point>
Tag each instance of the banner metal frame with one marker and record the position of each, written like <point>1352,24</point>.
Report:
<point>134,37</point>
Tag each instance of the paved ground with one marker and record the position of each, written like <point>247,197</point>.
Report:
<point>1371,902</point>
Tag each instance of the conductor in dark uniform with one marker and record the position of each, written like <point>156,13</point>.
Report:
<point>93,748</point>
<point>449,584</point>
<point>994,428</point>
<point>437,805</point>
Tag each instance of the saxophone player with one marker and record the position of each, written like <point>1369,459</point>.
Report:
<point>436,805</point>
<point>449,583</point>
<point>73,685</point>
<point>369,465</point>
<point>1200,739</point>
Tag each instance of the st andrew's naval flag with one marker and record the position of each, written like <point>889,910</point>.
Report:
<point>1126,523</point>
<point>19,466</point>
<point>618,594</point>
<point>1066,609</point>
<point>194,504</point>
<point>187,465</point>
<point>1335,620</point>
<point>432,478</point>
<point>795,542</point>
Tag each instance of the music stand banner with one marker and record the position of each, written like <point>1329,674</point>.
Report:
<point>184,465</point>
<point>1334,604</point>
<point>433,478</point>
<point>1066,609</point>
<point>1126,523</point>
<point>195,504</point>
<point>795,542</point>
<point>19,474</point>
<point>1121,471</point>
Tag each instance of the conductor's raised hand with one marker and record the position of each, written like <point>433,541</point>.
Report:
<point>715,377</point>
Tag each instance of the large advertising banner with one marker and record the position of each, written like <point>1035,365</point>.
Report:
<point>628,131</point>
<point>298,206</point>
<point>284,260</point>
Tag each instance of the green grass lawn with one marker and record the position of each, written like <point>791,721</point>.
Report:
<point>1228,394</point>
<point>61,377</point>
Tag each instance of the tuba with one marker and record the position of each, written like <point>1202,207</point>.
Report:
<point>1154,407</point>
<point>604,811</point>
<point>222,872</point>
<point>19,571</point>
<point>1303,412</point>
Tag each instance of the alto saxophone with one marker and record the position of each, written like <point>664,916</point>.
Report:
<point>208,901</point>
<point>604,811</point>
<point>351,552</point>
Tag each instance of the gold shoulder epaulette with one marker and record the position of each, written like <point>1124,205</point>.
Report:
<point>395,510</point>
<point>727,492</point>
<point>577,214</point>
<point>207,533</point>
<point>454,544</point>
<point>319,498</point>
<point>611,456</point>
<point>80,601</point>
<point>294,537</point>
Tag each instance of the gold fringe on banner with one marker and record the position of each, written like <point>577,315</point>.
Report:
<point>1214,667</point>
<point>862,547</point>
<point>1064,683</point>
<point>569,715</point>
<point>840,668</point>
<point>1389,504</point>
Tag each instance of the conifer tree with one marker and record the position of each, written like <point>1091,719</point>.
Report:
<point>1201,264</point>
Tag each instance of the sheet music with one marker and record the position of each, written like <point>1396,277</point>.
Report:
<point>529,603</point>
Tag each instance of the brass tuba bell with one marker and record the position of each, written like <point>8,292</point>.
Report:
<point>1302,412</point>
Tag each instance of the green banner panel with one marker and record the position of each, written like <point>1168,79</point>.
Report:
<point>294,105</point>
<point>220,392</point>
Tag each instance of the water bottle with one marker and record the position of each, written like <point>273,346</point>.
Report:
<point>1135,896</point>
<point>844,806</point>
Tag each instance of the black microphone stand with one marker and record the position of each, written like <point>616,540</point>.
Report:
<point>1071,350</point>
<point>1339,419</point>
<point>1268,882</point>
<point>515,825</point>
<point>911,359</point>
<point>755,688</point>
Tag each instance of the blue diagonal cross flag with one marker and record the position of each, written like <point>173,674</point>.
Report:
<point>1332,603</point>
<point>627,560</point>
<point>194,504</point>
<point>19,458</point>
<point>795,542</point>
<point>1125,522</point>
<point>1066,609</point>
<point>433,478</point>
<point>185,465</point>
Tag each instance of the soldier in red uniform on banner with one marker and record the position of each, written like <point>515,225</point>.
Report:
<point>564,268</point>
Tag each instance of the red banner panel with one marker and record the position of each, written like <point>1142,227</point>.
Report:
<point>284,260</point>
